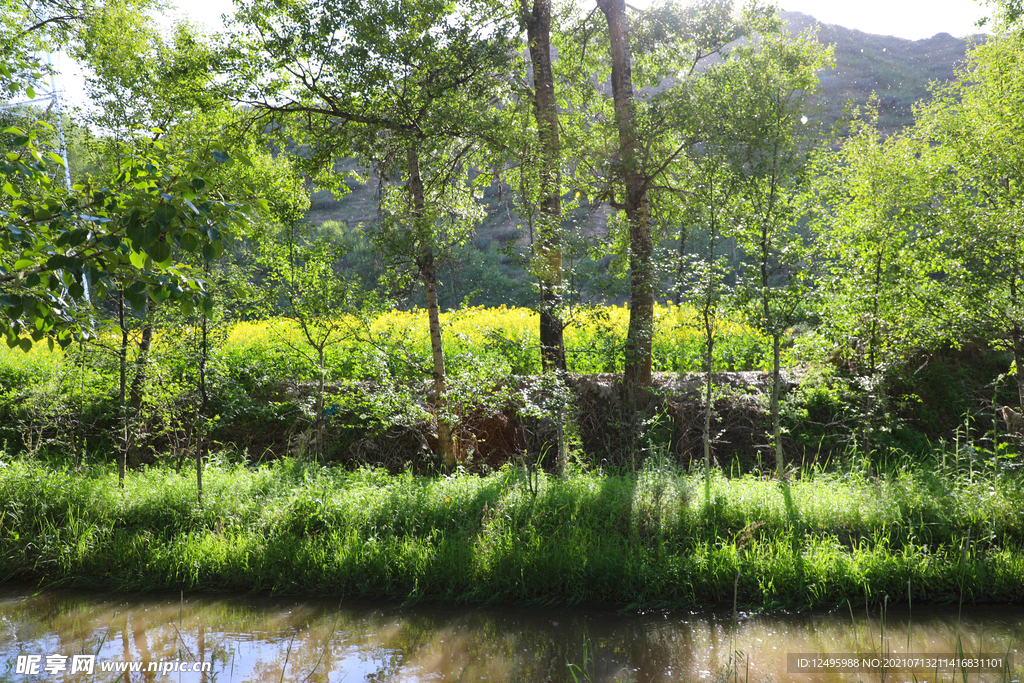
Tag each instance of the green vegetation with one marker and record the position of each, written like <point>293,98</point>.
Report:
<point>177,299</point>
<point>266,386</point>
<point>953,534</point>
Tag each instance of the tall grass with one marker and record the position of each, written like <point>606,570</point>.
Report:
<point>645,539</point>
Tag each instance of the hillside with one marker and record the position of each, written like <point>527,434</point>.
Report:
<point>489,270</point>
<point>899,71</point>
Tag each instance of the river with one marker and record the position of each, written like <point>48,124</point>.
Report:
<point>61,635</point>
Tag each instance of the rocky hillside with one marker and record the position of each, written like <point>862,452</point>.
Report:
<point>899,71</point>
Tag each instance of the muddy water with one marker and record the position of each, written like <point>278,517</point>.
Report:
<point>244,638</point>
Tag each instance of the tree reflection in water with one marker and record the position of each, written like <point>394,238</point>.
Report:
<point>260,639</point>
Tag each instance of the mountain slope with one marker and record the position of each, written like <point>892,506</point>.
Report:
<point>899,71</point>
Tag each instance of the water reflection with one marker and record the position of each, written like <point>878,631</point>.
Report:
<point>259,639</point>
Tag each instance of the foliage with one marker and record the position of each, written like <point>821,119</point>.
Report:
<point>882,287</point>
<point>59,247</point>
<point>978,123</point>
<point>142,79</point>
<point>262,390</point>
<point>691,143</point>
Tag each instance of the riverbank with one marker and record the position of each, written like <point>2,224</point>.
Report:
<point>951,533</point>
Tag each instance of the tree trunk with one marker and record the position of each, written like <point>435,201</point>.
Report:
<point>548,255</point>
<point>639,338</point>
<point>873,338</point>
<point>201,446</point>
<point>428,271</point>
<point>122,389</point>
<point>322,358</point>
<point>1017,335</point>
<point>444,432</point>
<point>138,386</point>
<point>776,422</point>
<point>200,455</point>
<point>707,312</point>
<point>708,404</point>
<point>770,323</point>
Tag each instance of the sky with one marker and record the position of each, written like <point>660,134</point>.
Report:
<point>910,19</point>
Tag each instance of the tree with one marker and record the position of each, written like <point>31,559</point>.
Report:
<point>978,123</point>
<point>635,203</point>
<point>143,80</point>
<point>714,193</point>
<point>303,278</point>
<point>1007,14</point>
<point>115,231</point>
<point>548,257</point>
<point>403,85</point>
<point>672,41</point>
<point>766,90</point>
<point>877,226</point>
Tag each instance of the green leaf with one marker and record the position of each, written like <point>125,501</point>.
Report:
<point>135,299</point>
<point>189,241</point>
<point>161,252</point>
<point>138,259</point>
<point>164,214</point>
<point>143,234</point>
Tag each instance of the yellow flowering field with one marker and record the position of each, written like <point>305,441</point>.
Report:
<point>505,339</point>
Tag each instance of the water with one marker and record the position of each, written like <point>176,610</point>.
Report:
<point>245,638</point>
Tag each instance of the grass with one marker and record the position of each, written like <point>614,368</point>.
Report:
<point>647,539</point>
